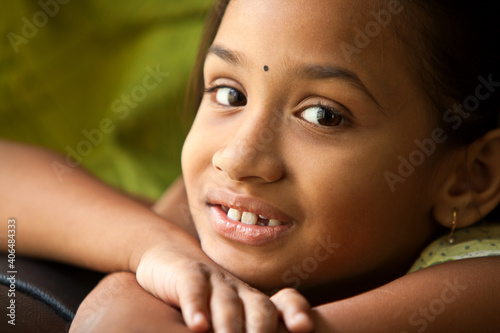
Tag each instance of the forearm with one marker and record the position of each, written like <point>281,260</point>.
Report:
<point>119,304</point>
<point>75,219</point>
<point>460,296</point>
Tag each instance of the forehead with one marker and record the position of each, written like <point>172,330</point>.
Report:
<point>356,35</point>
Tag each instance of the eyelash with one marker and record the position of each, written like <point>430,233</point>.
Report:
<point>327,109</point>
<point>213,89</point>
<point>333,111</point>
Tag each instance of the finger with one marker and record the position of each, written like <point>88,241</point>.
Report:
<point>261,314</point>
<point>294,310</point>
<point>193,292</point>
<point>226,308</point>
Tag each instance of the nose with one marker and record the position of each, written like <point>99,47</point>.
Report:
<point>252,154</point>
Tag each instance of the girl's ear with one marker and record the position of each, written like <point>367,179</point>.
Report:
<point>473,184</point>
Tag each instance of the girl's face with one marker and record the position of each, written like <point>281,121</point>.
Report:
<point>299,124</point>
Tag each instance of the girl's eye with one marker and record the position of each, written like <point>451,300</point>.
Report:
<point>229,96</point>
<point>321,115</point>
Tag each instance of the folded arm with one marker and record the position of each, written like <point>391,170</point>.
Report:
<point>459,296</point>
<point>76,218</point>
<point>79,220</point>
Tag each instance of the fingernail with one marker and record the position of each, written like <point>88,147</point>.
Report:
<point>198,319</point>
<point>303,322</point>
<point>300,318</point>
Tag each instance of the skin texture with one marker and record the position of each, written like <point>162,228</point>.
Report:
<point>328,181</point>
<point>462,295</point>
<point>167,260</point>
<point>318,175</point>
<point>449,297</point>
<point>111,300</point>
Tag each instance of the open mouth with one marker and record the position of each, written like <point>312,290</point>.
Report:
<point>246,219</point>
<point>250,218</point>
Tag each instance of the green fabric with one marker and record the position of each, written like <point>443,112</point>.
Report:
<point>473,242</point>
<point>64,69</point>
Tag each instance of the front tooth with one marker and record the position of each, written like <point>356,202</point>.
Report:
<point>274,223</point>
<point>263,217</point>
<point>249,218</point>
<point>234,214</point>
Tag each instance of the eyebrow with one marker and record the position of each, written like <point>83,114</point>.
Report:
<point>314,72</point>
<point>233,57</point>
<point>318,72</point>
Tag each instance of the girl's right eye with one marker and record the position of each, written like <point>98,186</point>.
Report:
<point>228,96</point>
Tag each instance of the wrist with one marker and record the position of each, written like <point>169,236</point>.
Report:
<point>158,234</point>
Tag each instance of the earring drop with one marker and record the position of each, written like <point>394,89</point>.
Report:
<point>451,237</point>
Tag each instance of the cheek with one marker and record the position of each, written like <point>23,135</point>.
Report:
<point>351,184</point>
<point>349,199</point>
<point>195,152</point>
<point>188,155</point>
<point>196,160</point>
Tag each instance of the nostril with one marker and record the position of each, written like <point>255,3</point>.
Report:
<point>215,162</point>
<point>245,163</point>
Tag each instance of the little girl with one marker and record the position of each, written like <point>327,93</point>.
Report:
<point>333,142</point>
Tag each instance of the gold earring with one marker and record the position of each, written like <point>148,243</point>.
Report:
<point>451,237</point>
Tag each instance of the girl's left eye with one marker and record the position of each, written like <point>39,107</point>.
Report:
<point>228,96</point>
<point>321,115</point>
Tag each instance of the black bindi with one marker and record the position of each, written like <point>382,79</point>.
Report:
<point>266,68</point>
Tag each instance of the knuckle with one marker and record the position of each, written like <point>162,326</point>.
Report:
<point>201,269</point>
<point>219,276</point>
<point>265,303</point>
<point>287,294</point>
<point>194,276</point>
<point>260,302</point>
<point>261,315</point>
<point>290,292</point>
<point>227,295</point>
<point>193,297</point>
<point>236,325</point>
<point>260,321</point>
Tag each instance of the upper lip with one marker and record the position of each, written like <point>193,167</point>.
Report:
<point>246,203</point>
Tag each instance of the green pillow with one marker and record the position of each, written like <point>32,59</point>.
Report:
<point>102,82</point>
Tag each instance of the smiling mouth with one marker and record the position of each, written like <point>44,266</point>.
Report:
<point>246,227</point>
<point>249,218</point>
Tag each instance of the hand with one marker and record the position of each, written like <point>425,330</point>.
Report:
<point>294,310</point>
<point>211,297</point>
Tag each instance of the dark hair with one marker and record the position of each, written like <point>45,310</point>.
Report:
<point>455,47</point>
<point>196,83</point>
<point>454,42</point>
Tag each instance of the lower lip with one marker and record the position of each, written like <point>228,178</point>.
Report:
<point>244,233</point>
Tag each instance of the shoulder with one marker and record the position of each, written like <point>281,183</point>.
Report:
<point>472,242</point>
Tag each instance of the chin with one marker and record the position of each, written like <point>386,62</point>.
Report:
<point>262,276</point>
